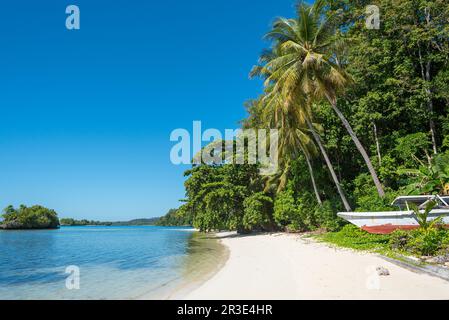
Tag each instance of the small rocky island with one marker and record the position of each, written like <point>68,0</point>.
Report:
<point>34,217</point>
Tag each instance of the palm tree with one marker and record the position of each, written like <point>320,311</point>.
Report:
<point>301,109</point>
<point>329,165</point>
<point>293,140</point>
<point>306,60</point>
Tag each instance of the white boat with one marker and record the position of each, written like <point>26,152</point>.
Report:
<point>405,219</point>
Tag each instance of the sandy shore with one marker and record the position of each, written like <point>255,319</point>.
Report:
<point>282,266</point>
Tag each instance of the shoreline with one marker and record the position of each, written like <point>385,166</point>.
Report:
<point>206,256</point>
<point>288,266</point>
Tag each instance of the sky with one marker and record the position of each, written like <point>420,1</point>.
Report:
<point>86,115</point>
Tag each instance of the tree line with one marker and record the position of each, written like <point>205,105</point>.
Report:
<point>362,115</point>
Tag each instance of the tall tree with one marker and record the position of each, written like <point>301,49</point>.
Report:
<point>300,108</point>
<point>294,138</point>
<point>308,62</point>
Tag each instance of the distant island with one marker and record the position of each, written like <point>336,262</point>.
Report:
<point>175,218</point>
<point>39,217</point>
<point>85,222</point>
<point>171,219</point>
<point>35,217</point>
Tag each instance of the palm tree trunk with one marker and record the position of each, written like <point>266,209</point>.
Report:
<point>430,109</point>
<point>425,74</point>
<point>312,178</point>
<point>329,166</point>
<point>379,156</point>
<point>359,146</point>
<point>429,92</point>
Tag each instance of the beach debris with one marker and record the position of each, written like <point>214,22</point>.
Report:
<point>381,271</point>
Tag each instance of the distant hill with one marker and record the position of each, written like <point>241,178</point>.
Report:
<point>173,218</point>
<point>84,222</point>
<point>137,222</point>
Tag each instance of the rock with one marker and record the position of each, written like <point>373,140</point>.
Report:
<point>446,264</point>
<point>381,271</point>
<point>437,260</point>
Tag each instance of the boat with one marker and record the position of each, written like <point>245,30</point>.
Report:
<point>405,218</point>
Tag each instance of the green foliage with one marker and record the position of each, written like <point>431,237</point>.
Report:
<point>395,83</point>
<point>175,217</point>
<point>35,217</point>
<point>422,217</point>
<point>399,240</point>
<point>367,198</point>
<point>428,179</point>
<point>426,243</point>
<point>412,147</point>
<point>216,194</point>
<point>327,218</point>
<point>303,214</point>
<point>422,242</point>
<point>82,222</point>
<point>353,237</point>
<point>257,212</point>
<point>286,212</point>
<point>418,242</point>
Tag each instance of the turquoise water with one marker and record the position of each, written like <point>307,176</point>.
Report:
<point>114,262</point>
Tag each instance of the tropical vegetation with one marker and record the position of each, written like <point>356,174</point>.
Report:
<point>172,218</point>
<point>85,222</point>
<point>34,217</point>
<point>362,116</point>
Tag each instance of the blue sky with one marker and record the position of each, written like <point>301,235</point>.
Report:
<point>86,115</point>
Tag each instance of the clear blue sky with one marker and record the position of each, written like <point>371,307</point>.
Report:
<point>86,115</point>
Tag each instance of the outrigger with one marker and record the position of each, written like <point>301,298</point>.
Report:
<point>405,219</point>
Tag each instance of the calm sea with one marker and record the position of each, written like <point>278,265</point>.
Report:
<point>114,262</point>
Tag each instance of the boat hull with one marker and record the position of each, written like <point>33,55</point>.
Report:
<point>389,221</point>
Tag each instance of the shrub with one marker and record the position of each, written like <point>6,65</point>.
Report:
<point>426,242</point>
<point>353,237</point>
<point>399,240</point>
<point>420,241</point>
<point>257,210</point>
<point>367,198</point>
<point>287,213</point>
<point>327,217</point>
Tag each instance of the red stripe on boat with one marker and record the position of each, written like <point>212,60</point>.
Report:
<point>389,228</point>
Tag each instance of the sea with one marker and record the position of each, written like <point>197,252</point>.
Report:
<point>105,263</point>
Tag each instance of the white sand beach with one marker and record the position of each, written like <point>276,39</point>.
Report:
<point>283,266</point>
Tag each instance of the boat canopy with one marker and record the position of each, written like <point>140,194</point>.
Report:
<point>402,202</point>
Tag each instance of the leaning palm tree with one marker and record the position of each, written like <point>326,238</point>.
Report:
<point>293,140</point>
<point>300,107</point>
<point>306,60</point>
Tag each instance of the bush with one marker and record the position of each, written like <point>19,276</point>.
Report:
<point>327,217</point>
<point>420,242</point>
<point>353,237</point>
<point>399,240</point>
<point>367,198</point>
<point>257,210</point>
<point>426,243</point>
<point>287,213</point>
